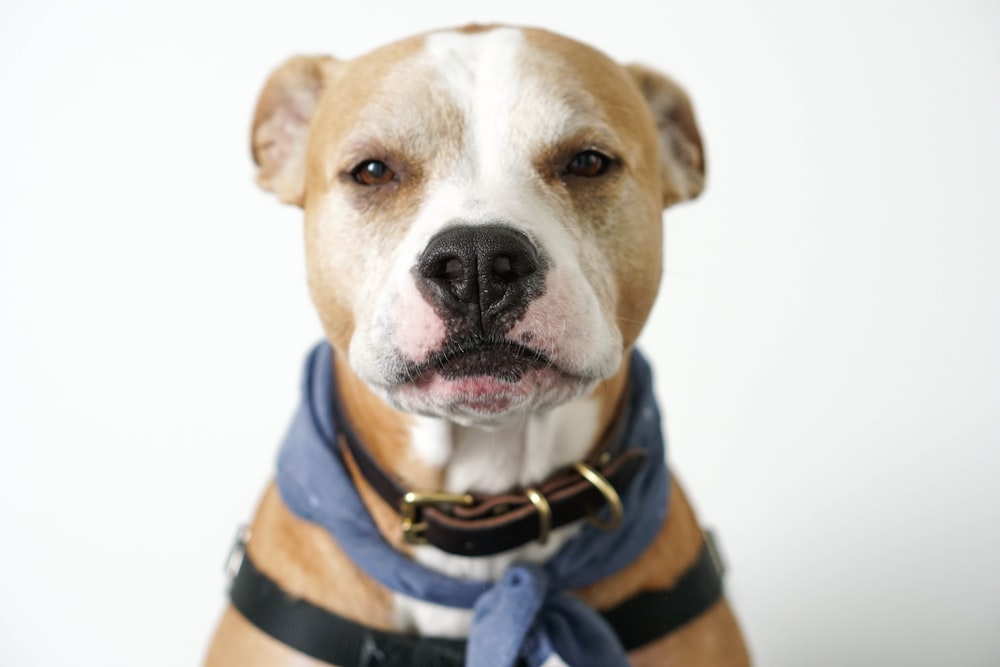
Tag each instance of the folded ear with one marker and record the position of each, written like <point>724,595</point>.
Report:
<point>281,125</point>
<point>682,158</point>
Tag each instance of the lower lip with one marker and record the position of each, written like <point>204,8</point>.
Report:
<point>479,393</point>
<point>478,386</point>
<point>433,393</point>
<point>473,394</point>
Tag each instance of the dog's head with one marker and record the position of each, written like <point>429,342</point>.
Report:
<point>483,210</point>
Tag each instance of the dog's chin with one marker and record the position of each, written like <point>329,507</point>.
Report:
<point>484,387</point>
<point>485,400</point>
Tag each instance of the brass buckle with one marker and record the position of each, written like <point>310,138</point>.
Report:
<point>609,493</point>
<point>544,513</point>
<point>410,506</point>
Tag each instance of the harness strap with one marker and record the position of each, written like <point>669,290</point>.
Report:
<point>333,639</point>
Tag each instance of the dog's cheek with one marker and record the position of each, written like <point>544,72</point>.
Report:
<point>339,269</point>
<point>332,303</point>
<point>621,254</point>
<point>570,325</point>
<point>636,299</point>
<point>638,276</point>
<point>418,329</point>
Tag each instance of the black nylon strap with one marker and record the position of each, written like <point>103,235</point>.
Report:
<point>326,636</point>
<point>646,617</point>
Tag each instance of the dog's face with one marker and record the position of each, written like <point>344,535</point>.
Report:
<point>483,211</point>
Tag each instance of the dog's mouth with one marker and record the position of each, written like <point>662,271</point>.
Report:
<point>502,360</point>
<point>480,380</point>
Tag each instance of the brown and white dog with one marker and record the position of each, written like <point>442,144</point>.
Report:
<point>509,138</point>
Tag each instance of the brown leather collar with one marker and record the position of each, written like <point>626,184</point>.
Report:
<point>482,525</point>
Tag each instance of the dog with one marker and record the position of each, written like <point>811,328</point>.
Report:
<point>483,233</point>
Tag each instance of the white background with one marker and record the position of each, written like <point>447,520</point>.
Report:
<point>826,341</point>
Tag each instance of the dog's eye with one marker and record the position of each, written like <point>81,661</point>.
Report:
<point>373,172</point>
<point>588,164</point>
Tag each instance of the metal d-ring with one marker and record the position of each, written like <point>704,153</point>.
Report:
<point>544,513</point>
<point>609,493</point>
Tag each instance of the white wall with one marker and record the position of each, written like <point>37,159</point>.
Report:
<point>826,341</point>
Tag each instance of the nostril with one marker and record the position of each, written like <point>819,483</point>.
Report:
<point>502,268</point>
<point>453,269</point>
<point>510,267</point>
<point>445,268</point>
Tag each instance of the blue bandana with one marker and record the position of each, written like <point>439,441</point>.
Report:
<point>528,613</point>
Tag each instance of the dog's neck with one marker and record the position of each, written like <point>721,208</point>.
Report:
<point>518,453</point>
<point>428,454</point>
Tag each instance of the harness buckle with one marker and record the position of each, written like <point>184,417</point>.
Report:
<point>712,545</point>
<point>238,550</point>
<point>409,508</point>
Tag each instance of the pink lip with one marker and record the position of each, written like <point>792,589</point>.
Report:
<point>480,393</point>
<point>473,387</point>
<point>484,395</point>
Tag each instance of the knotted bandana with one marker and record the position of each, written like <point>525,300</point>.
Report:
<point>528,613</point>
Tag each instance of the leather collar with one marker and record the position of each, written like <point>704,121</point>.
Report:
<point>481,524</point>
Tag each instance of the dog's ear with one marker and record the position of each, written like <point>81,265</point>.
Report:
<point>281,125</point>
<point>682,157</point>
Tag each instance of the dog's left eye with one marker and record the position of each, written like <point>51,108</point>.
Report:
<point>588,164</point>
<point>373,172</point>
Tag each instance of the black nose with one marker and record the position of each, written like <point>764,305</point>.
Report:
<point>480,278</point>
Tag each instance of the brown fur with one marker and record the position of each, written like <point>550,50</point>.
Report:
<point>302,557</point>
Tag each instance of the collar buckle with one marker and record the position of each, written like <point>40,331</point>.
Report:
<point>409,509</point>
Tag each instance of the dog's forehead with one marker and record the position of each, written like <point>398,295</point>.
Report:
<point>502,75</point>
<point>511,87</point>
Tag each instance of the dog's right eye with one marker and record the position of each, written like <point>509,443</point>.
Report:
<point>373,172</point>
<point>588,164</point>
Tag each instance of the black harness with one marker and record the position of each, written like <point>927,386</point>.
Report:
<point>330,638</point>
